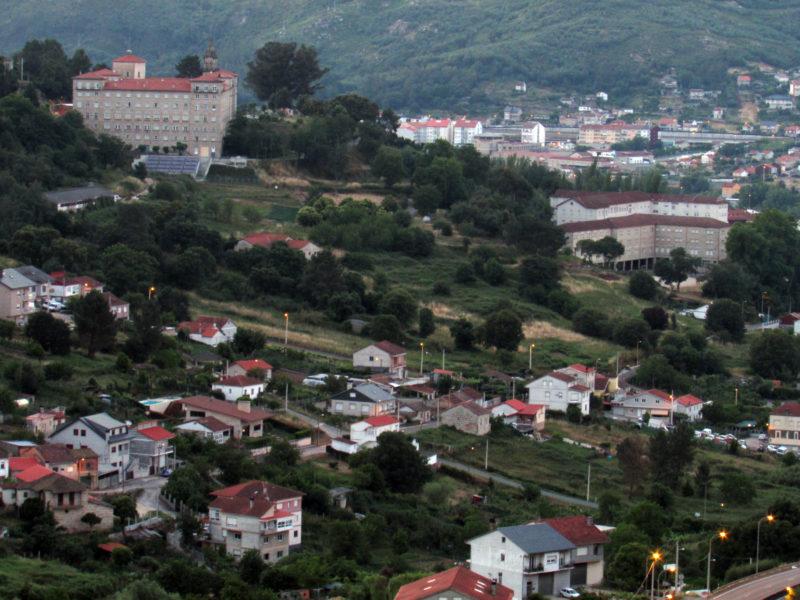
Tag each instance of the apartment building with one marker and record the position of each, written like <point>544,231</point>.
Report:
<point>611,133</point>
<point>158,111</point>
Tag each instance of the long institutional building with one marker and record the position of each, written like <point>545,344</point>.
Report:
<point>648,225</point>
<point>158,111</point>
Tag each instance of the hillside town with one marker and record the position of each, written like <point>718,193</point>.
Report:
<point>313,349</point>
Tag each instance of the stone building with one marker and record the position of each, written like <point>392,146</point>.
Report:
<point>158,111</point>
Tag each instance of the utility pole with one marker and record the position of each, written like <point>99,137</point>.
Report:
<point>286,397</point>
<point>486,460</point>
<point>588,480</point>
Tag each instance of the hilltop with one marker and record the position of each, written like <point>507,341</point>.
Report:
<point>439,54</point>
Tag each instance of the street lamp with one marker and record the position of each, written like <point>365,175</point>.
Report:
<point>150,292</point>
<point>421,356</point>
<point>286,330</point>
<point>769,518</point>
<point>655,556</point>
<point>721,535</point>
<point>530,357</point>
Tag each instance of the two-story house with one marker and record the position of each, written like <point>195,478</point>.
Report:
<point>256,515</point>
<point>587,558</point>
<point>527,558</point>
<point>633,407</point>
<point>383,356</point>
<point>109,438</point>
<point>784,425</point>
<point>17,296</point>
<point>46,421</point>
<point>75,463</point>
<point>365,400</point>
<point>150,449</point>
<point>468,417</point>
<point>689,405</point>
<point>558,390</point>
<point>208,428</point>
<point>254,368</point>
<point>244,420</point>
<point>367,432</point>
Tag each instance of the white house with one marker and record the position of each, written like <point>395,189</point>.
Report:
<point>237,386</point>
<point>366,433</point>
<point>382,356</point>
<point>526,558</point>
<point>633,407</point>
<point>558,391</point>
<point>209,428</point>
<point>243,367</point>
<point>689,405</point>
<point>210,331</point>
<point>533,133</point>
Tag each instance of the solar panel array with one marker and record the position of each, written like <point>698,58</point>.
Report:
<point>174,165</point>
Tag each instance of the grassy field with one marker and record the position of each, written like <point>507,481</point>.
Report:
<point>24,577</point>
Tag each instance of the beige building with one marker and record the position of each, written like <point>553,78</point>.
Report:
<point>468,417</point>
<point>611,133</point>
<point>256,515</point>
<point>648,237</point>
<point>17,296</point>
<point>158,111</point>
<point>784,425</point>
<point>570,206</point>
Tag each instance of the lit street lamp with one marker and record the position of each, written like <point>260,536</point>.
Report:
<point>769,518</point>
<point>721,535</point>
<point>530,357</point>
<point>286,330</point>
<point>421,357</point>
<point>150,292</point>
<point>655,556</point>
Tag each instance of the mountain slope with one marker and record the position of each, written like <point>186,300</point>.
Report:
<point>422,54</point>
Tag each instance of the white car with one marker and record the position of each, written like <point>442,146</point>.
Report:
<point>317,380</point>
<point>53,305</point>
<point>568,592</point>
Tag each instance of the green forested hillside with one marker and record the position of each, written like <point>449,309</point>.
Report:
<point>414,54</point>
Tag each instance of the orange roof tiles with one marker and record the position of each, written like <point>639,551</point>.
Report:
<point>459,579</point>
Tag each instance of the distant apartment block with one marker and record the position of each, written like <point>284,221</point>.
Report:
<point>611,133</point>
<point>158,111</point>
<point>458,132</point>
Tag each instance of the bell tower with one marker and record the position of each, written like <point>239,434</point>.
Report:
<point>210,61</point>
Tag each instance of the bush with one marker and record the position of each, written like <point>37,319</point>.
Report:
<point>591,322</point>
<point>465,274</point>
<point>642,285</point>
<point>441,289</point>
<point>57,371</point>
<point>563,302</point>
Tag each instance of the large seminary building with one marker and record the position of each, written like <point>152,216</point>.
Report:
<point>158,111</point>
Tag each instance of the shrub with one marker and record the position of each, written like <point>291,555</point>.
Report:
<point>642,285</point>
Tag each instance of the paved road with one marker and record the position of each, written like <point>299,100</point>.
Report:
<point>516,484</point>
<point>149,499</point>
<point>762,586</point>
<point>330,430</point>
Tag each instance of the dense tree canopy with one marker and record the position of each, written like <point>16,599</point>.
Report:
<point>281,66</point>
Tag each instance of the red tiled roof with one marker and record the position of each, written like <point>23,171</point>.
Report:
<point>515,404</point>
<point>158,84</point>
<point>266,239</point>
<point>110,546</point>
<point>33,473</point>
<point>21,463</point>
<point>561,376</point>
<point>531,409</point>
<point>789,409</point>
<point>84,281</point>
<point>226,408</point>
<point>253,498</point>
<point>581,368</point>
<point>129,58</point>
<point>642,220</point>
<point>239,381</point>
<point>211,423</point>
<point>688,400</point>
<point>659,393</point>
<point>600,199</point>
<point>474,408</point>
<point>420,389</point>
<point>220,322</point>
<point>577,530</point>
<point>156,433</point>
<point>297,244</point>
<point>459,579</point>
<point>600,382</point>
<point>99,74</point>
<point>254,364</point>
<point>579,388</point>
<point>390,348</point>
<point>736,215</point>
<point>381,421</point>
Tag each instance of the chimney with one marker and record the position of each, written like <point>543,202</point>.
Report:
<point>243,405</point>
<point>494,587</point>
<point>590,520</point>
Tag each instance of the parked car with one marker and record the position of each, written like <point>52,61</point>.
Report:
<point>317,380</point>
<point>568,592</point>
<point>53,305</point>
<point>762,437</point>
<point>166,472</point>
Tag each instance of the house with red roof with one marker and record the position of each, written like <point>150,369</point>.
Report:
<point>563,388</point>
<point>366,433</point>
<point>77,463</point>
<point>208,428</point>
<point>256,515</point>
<point>457,583</point>
<point>267,240</point>
<point>633,406</point>
<point>46,421</point>
<point>784,425</point>
<point>587,558</point>
<point>690,406</point>
<point>253,368</point>
<point>382,356</point>
<point>468,417</point>
<point>210,331</point>
<point>507,408</point>
<point>239,386</point>
<point>150,449</point>
<point>245,420</point>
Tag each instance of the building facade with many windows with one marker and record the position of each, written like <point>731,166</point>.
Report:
<point>158,112</point>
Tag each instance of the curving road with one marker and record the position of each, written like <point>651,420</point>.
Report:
<point>759,587</point>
